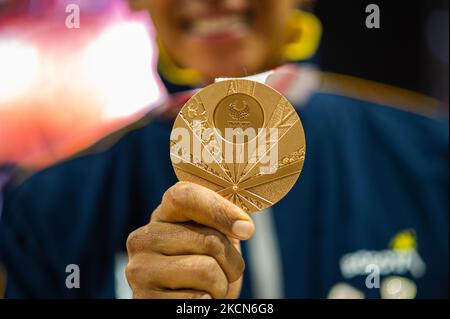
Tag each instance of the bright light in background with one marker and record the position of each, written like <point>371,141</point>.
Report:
<point>19,64</point>
<point>118,65</point>
<point>61,89</point>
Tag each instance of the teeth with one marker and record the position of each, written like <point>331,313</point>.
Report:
<point>212,26</point>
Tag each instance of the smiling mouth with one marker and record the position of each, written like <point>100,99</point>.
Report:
<point>219,25</point>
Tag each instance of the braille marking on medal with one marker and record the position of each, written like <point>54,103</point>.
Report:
<point>298,155</point>
<point>254,202</point>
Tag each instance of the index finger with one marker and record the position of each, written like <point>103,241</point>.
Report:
<point>191,202</point>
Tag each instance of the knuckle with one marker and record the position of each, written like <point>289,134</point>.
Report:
<point>132,273</point>
<point>143,238</point>
<point>211,272</point>
<point>141,272</point>
<point>169,197</point>
<point>208,267</point>
<point>177,195</point>
<point>133,242</point>
<point>213,245</point>
<point>151,234</point>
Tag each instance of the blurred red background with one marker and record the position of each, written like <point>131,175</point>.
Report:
<point>61,88</point>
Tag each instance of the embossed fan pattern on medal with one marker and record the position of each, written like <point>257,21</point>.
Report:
<point>242,139</point>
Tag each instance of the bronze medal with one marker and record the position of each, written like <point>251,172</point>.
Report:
<point>242,139</point>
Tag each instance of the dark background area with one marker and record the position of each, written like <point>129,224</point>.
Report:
<point>399,53</point>
<point>410,50</point>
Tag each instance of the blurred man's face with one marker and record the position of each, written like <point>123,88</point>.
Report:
<point>221,37</point>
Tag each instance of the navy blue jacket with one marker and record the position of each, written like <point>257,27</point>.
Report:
<point>375,181</point>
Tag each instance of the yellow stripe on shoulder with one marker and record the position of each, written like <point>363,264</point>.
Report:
<point>379,93</point>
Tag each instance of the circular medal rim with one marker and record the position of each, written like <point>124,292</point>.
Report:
<point>265,86</point>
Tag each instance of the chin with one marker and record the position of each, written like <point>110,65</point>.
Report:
<point>235,68</point>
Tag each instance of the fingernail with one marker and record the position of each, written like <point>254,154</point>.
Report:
<point>243,229</point>
<point>206,296</point>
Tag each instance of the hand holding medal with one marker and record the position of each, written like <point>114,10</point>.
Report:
<point>237,146</point>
